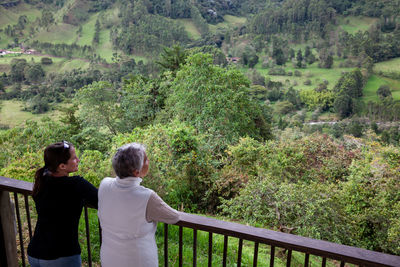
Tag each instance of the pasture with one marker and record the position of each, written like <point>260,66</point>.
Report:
<point>313,73</point>
<point>389,66</point>
<point>12,114</point>
<point>192,31</point>
<point>353,24</point>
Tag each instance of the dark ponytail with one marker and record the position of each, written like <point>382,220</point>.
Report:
<point>38,181</point>
<point>54,155</point>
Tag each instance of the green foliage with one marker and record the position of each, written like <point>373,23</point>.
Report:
<point>181,163</point>
<point>371,198</point>
<point>199,21</point>
<point>34,73</point>
<point>293,17</point>
<point>215,101</point>
<point>17,70</point>
<point>47,18</point>
<point>99,106</point>
<point>94,166</point>
<point>384,91</point>
<point>249,57</point>
<point>317,100</point>
<point>299,59</point>
<point>348,88</point>
<point>96,37</point>
<point>32,137</point>
<point>172,58</point>
<point>139,103</point>
<point>284,107</point>
<point>141,32</point>
<point>46,61</point>
<point>318,188</point>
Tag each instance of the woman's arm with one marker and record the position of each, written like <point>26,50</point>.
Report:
<point>89,193</point>
<point>159,211</point>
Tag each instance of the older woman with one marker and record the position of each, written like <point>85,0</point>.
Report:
<point>129,212</point>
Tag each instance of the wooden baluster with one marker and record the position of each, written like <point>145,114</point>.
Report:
<point>88,237</point>
<point>180,245</point>
<point>239,260</point>
<point>255,257</point>
<point>289,258</point>
<point>8,242</point>
<point>272,259</point>
<point>225,253</point>
<point>165,245</point>
<point>194,248</point>
<point>21,238</point>
<point>210,245</point>
<point>28,216</point>
<point>323,262</point>
<point>306,260</point>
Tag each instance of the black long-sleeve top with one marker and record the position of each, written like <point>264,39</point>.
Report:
<point>59,206</point>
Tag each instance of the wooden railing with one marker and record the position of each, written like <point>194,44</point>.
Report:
<point>325,250</point>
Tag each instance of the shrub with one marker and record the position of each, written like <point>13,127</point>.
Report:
<point>277,71</point>
<point>284,107</point>
<point>307,82</point>
<point>46,61</point>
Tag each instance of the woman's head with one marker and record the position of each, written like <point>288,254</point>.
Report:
<point>59,159</point>
<point>130,160</point>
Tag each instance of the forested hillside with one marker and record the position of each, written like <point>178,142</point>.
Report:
<point>283,114</point>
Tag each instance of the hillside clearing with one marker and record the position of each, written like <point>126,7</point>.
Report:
<point>11,113</point>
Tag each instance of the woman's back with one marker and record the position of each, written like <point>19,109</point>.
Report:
<point>127,237</point>
<point>59,205</point>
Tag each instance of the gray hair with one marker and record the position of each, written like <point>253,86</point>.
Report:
<point>128,158</point>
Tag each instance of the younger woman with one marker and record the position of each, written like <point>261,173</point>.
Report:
<point>59,200</point>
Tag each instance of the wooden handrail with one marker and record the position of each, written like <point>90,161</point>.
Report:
<point>13,185</point>
<point>292,242</point>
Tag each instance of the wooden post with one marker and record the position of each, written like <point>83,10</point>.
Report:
<point>8,242</point>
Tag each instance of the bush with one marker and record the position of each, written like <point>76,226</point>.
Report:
<point>46,61</point>
<point>284,107</point>
<point>307,82</point>
<point>181,164</point>
<point>384,91</point>
<point>297,73</point>
<point>277,71</point>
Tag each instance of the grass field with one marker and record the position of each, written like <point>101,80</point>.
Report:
<point>11,113</point>
<point>190,28</point>
<point>374,82</point>
<point>312,72</point>
<point>353,24</point>
<point>9,16</point>
<point>389,66</point>
<point>58,34</point>
<point>59,65</point>
<point>229,22</point>
<point>87,31</point>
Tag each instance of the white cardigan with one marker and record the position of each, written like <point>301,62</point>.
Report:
<point>127,238</point>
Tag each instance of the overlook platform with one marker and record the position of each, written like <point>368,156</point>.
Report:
<point>13,251</point>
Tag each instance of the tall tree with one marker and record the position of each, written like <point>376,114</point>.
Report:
<point>299,59</point>
<point>215,101</point>
<point>96,37</point>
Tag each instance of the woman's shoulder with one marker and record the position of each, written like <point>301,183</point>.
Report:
<point>106,181</point>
